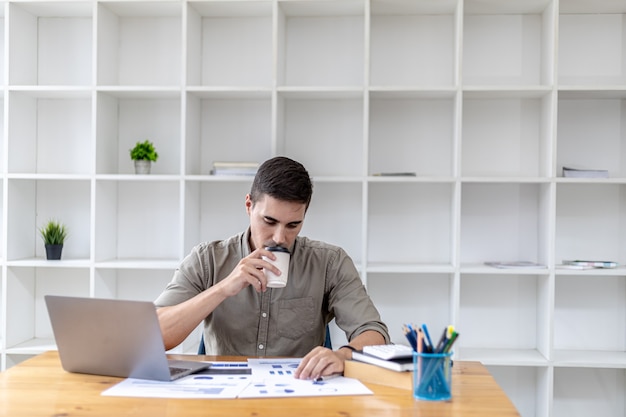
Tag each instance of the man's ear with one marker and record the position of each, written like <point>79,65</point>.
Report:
<point>249,204</point>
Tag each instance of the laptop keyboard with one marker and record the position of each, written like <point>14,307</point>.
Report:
<point>176,371</point>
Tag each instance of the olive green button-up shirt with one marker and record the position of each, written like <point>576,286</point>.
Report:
<point>323,284</point>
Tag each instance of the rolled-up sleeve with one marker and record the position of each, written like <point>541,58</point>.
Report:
<point>348,301</point>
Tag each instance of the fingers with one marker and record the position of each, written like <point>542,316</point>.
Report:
<point>319,362</point>
<point>250,270</point>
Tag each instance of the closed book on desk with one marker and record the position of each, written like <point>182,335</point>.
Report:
<point>373,374</point>
<point>398,365</point>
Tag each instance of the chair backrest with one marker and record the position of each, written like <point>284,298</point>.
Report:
<point>201,348</point>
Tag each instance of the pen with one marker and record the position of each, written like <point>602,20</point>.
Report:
<point>446,335</point>
<point>442,341</point>
<point>450,342</point>
<point>409,333</point>
<point>429,342</point>
<point>325,378</point>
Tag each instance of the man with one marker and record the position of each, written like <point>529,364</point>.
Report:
<point>224,284</point>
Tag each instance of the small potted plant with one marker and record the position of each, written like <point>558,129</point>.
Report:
<point>53,234</point>
<point>143,154</point>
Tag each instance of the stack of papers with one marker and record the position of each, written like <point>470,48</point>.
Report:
<point>256,378</point>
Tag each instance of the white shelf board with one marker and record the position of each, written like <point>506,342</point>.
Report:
<point>394,268</point>
<point>138,264</point>
<point>507,357</point>
<point>33,346</point>
<point>44,263</point>
<point>589,359</point>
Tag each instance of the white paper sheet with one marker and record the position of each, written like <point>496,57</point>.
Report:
<point>268,378</point>
<point>192,386</point>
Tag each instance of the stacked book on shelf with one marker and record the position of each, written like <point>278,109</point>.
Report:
<point>234,168</point>
<point>588,264</point>
<point>569,172</point>
<point>515,264</point>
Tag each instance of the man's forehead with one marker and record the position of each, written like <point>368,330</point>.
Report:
<point>281,210</point>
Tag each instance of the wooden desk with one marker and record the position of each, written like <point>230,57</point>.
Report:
<point>40,387</point>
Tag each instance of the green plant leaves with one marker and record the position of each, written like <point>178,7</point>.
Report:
<point>144,150</point>
<point>53,233</point>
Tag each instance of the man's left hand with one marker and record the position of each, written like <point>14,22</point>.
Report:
<point>319,362</point>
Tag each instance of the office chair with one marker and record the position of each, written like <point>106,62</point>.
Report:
<point>327,342</point>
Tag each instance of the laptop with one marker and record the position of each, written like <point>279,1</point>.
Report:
<point>114,338</point>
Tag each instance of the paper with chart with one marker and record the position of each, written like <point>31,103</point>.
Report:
<point>261,378</point>
<point>192,386</point>
<point>274,378</point>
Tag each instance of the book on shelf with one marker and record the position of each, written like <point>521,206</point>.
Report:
<point>234,168</point>
<point>569,172</point>
<point>398,365</point>
<point>395,174</point>
<point>588,264</point>
<point>514,264</point>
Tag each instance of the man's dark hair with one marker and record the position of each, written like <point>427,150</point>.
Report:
<point>284,179</point>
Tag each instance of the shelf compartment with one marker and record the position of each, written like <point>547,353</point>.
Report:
<point>591,43</point>
<point>581,392</point>
<point>413,43</point>
<point>214,210</point>
<point>506,136</point>
<point>32,333</point>
<point>125,118</point>
<point>230,43</point>
<point>320,43</point>
<point>215,130</point>
<point>131,284</point>
<point>323,132</point>
<point>411,134</point>
<point>509,318</point>
<point>508,44</point>
<point>590,132</point>
<point>597,300</point>
<point>136,43</point>
<point>335,216</point>
<point>31,203</point>
<point>527,387</point>
<point>590,222</point>
<point>416,217</point>
<point>50,43</point>
<point>137,220</point>
<point>412,298</point>
<point>50,132</point>
<point>504,222</point>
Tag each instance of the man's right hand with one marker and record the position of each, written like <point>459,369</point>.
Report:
<point>249,271</point>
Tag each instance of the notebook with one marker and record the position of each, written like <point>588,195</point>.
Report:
<point>114,338</point>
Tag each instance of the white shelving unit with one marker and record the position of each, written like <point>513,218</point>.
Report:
<point>484,100</point>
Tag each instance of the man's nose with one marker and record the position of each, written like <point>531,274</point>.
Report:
<point>279,236</point>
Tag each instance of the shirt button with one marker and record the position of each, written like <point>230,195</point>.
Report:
<point>261,346</point>
<point>263,314</point>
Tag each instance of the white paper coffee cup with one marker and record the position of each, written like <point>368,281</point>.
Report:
<point>282,263</point>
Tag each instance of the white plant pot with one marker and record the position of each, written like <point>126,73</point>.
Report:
<point>142,166</point>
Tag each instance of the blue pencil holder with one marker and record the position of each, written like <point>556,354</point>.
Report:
<point>432,376</point>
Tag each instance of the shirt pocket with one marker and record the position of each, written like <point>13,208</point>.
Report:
<point>295,317</point>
